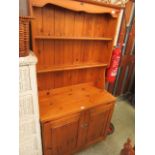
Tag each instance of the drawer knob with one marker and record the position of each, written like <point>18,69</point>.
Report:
<point>85,125</point>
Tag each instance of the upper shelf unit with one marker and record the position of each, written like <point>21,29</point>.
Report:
<point>72,20</point>
<point>73,41</point>
<point>72,38</point>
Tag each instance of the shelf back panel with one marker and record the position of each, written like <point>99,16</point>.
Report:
<point>65,78</point>
<point>51,53</point>
<point>51,20</point>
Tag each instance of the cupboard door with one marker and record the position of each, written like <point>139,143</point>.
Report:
<point>98,122</point>
<point>82,131</point>
<point>62,136</point>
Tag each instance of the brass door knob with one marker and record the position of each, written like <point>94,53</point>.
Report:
<point>85,125</point>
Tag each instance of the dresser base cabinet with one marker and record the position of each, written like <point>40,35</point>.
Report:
<point>70,133</point>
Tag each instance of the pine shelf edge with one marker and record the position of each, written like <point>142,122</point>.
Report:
<point>72,38</point>
<point>70,67</point>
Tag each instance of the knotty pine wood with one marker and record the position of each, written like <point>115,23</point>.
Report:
<point>53,21</point>
<point>54,103</point>
<point>82,133</point>
<point>54,53</point>
<point>60,143</point>
<point>70,67</point>
<point>71,38</point>
<point>67,20</point>
<point>80,128</point>
<point>57,52</point>
<point>78,6</point>
<point>53,80</point>
<point>73,48</point>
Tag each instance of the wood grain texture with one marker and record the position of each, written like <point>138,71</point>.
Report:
<point>71,67</point>
<point>73,42</point>
<point>77,6</point>
<point>67,78</point>
<point>60,144</point>
<point>98,119</point>
<point>70,39</point>
<point>54,103</point>
<point>79,129</point>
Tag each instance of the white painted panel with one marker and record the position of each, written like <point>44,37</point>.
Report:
<point>29,125</point>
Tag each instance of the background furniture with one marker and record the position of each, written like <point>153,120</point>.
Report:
<point>29,126</point>
<point>73,42</point>
<point>128,149</point>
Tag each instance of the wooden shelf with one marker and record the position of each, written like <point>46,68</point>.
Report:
<point>70,67</point>
<point>54,103</point>
<point>73,38</point>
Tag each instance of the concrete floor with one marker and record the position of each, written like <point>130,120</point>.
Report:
<point>124,122</point>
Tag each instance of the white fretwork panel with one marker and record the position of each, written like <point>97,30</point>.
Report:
<point>29,125</point>
<point>24,79</point>
<point>26,106</point>
<point>30,146</point>
<point>27,128</point>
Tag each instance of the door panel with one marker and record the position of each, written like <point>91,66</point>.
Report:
<point>64,138</point>
<point>98,123</point>
<point>60,137</point>
<point>82,131</point>
<point>96,126</point>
